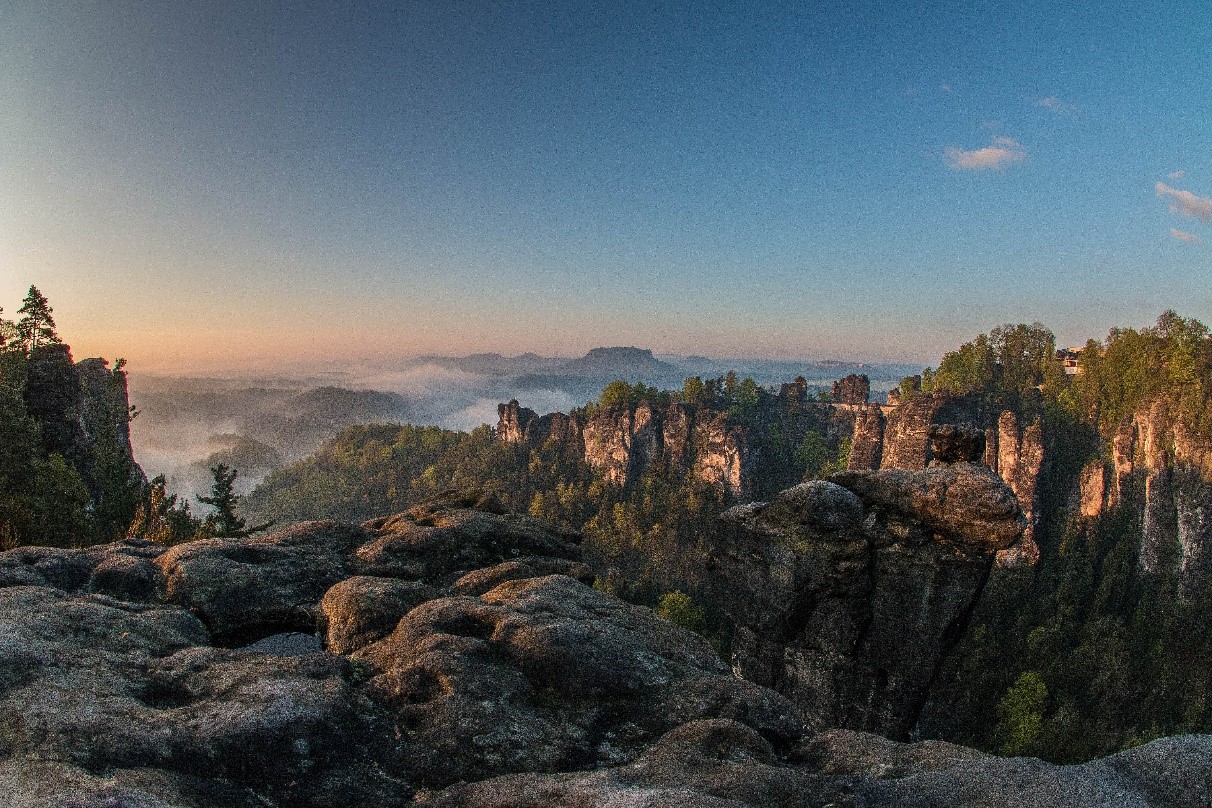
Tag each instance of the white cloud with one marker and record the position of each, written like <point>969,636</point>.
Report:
<point>1177,175</point>
<point>1183,235</point>
<point>945,87</point>
<point>1186,203</point>
<point>1001,153</point>
<point>1056,105</point>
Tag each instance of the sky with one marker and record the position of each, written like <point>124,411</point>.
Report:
<point>204,184</point>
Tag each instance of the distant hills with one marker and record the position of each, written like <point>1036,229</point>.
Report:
<point>189,422</point>
<point>641,364</point>
<point>622,362</point>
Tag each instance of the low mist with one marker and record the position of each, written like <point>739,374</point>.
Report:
<point>257,423</point>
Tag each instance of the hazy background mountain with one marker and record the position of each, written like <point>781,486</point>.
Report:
<point>257,423</point>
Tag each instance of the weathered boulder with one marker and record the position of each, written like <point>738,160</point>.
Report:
<point>485,670</point>
<point>437,543</point>
<point>364,609</point>
<point>480,581</point>
<point>711,763</point>
<point>548,674</point>
<point>244,589</point>
<point>1170,772</point>
<point>965,503</point>
<point>845,594</point>
<point>113,569</point>
<point>99,690</point>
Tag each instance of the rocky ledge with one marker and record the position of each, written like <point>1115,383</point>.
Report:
<point>452,655</point>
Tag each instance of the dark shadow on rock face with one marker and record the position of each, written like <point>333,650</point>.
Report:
<point>846,594</point>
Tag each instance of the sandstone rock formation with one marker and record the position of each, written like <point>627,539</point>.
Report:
<point>854,389</point>
<point>718,764</point>
<point>845,594</point>
<point>624,441</point>
<point>1165,472</point>
<point>456,647</point>
<point>1020,459</point>
<point>907,438</point>
<point>463,660</point>
<point>83,415</point>
<point>867,438</point>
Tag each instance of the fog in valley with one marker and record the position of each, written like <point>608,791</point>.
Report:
<point>257,423</point>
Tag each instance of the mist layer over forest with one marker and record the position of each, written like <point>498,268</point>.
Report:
<point>257,423</point>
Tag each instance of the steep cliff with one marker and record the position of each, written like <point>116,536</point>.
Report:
<point>846,594</point>
<point>867,441</point>
<point>624,441</point>
<point>854,389</point>
<point>82,415</point>
<point>1162,471</point>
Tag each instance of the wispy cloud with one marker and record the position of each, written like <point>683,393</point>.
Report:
<point>1186,203</point>
<point>1177,175</point>
<point>1001,153</point>
<point>1183,235</point>
<point>1058,106</point>
<point>945,87</point>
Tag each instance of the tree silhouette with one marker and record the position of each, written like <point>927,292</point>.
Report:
<point>37,327</point>
<point>224,521</point>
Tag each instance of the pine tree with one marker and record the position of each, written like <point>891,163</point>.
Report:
<point>225,522</point>
<point>9,337</point>
<point>160,519</point>
<point>37,327</point>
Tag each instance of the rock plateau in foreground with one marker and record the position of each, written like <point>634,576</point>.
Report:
<point>454,655</point>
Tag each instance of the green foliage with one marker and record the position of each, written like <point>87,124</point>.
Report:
<point>377,469</point>
<point>224,521</point>
<point>1021,714</point>
<point>821,456</point>
<point>814,453</point>
<point>621,394</point>
<point>679,608</point>
<point>10,336</point>
<point>1009,365</point>
<point>744,400</point>
<point>915,385</point>
<point>1124,653</point>
<point>61,508</point>
<point>37,326</point>
<point>617,394</point>
<point>161,520</point>
<point>66,474</point>
<point>19,453</point>
<point>1171,361</point>
<point>694,391</point>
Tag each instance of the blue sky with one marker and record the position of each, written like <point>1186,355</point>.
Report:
<point>207,183</point>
